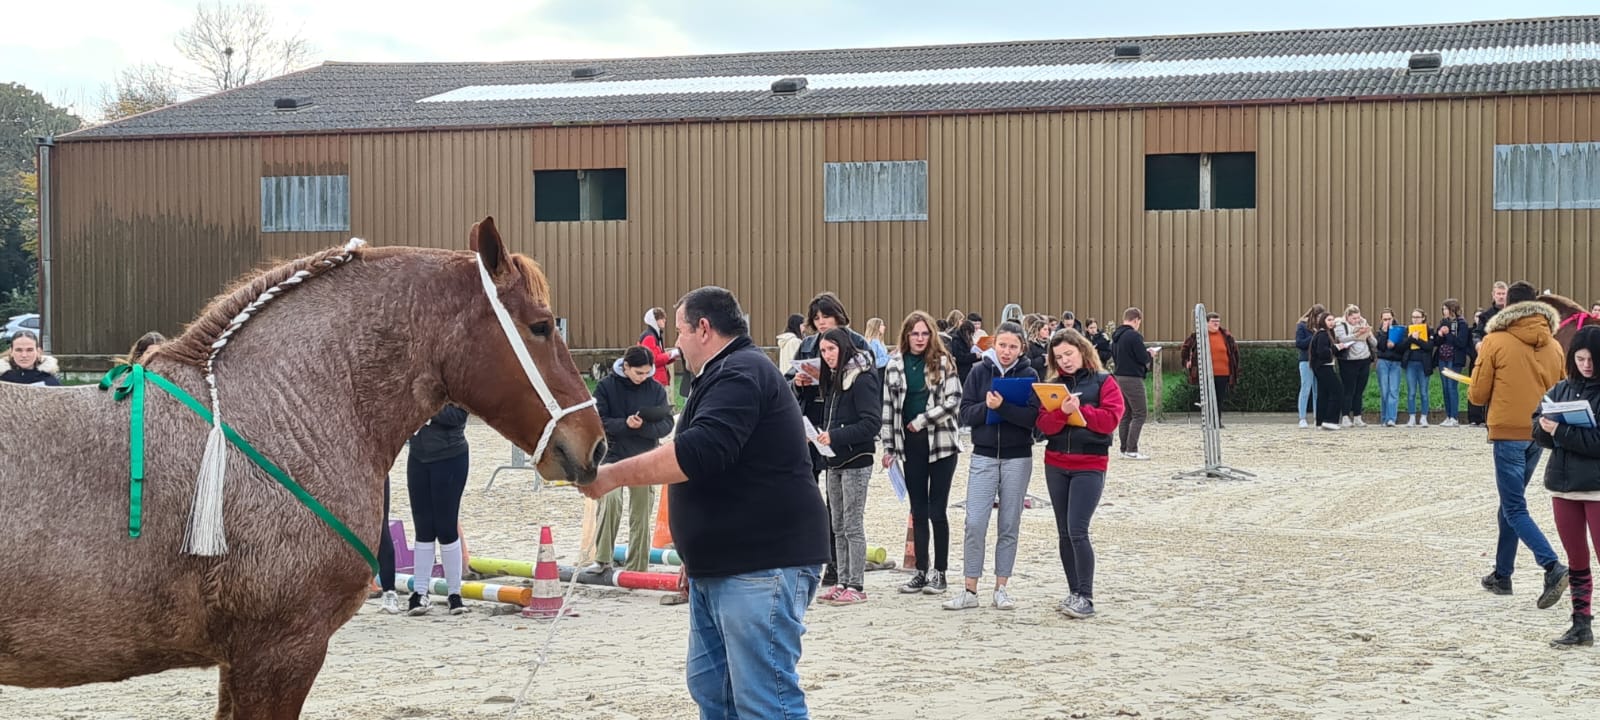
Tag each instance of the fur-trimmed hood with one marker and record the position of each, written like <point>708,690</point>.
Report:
<point>47,364</point>
<point>1532,322</point>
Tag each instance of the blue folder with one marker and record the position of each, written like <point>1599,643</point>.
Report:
<point>1017,391</point>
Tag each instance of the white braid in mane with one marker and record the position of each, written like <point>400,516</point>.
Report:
<point>206,536</point>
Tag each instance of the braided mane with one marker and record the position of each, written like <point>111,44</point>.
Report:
<point>194,346</point>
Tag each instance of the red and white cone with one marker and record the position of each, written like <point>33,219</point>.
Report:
<point>546,601</point>
<point>909,563</point>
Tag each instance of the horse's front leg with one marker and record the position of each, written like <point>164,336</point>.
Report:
<point>268,676</point>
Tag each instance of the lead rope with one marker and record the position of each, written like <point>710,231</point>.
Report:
<point>540,660</point>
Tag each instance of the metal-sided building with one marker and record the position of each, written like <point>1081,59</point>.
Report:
<point>1256,172</point>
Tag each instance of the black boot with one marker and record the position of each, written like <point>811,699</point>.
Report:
<point>1579,634</point>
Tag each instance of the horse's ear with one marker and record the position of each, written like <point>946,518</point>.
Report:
<point>486,242</point>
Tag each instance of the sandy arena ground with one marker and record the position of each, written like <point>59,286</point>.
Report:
<point>1343,582</point>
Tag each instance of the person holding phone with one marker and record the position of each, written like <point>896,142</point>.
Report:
<point>622,398</point>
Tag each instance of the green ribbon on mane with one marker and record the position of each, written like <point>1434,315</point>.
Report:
<point>134,388</point>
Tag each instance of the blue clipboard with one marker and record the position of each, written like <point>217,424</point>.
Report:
<point>1017,391</point>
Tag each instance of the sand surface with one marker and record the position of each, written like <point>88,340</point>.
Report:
<point>1342,582</point>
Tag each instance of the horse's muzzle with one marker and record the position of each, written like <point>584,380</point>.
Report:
<point>581,468</point>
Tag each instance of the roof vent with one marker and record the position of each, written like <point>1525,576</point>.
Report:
<point>1127,52</point>
<point>788,86</point>
<point>587,72</point>
<point>1425,62</point>
<point>289,104</point>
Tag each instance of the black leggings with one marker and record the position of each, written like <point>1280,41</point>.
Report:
<point>928,488</point>
<point>1353,376</point>
<point>385,545</point>
<point>1074,495</point>
<point>435,489</point>
<point>1330,395</point>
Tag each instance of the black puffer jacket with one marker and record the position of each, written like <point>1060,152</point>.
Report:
<point>43,372</point>
<point>852,416</point>
<point>1012,437</point>
<point>616,398</point>
<point>1574,464</point>
<point>444,437</point>
<point>1038,356</point>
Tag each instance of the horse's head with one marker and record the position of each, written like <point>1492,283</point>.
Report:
<point>518,375</point>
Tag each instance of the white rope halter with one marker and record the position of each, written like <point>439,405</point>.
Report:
<point>535,378</point>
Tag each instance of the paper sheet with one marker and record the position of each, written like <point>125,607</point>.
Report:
<point>897,480</point>
<point>811,434</point>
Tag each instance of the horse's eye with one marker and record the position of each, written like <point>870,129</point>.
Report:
<point>540,330</point>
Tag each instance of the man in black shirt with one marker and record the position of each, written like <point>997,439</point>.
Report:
<point>747,518</point>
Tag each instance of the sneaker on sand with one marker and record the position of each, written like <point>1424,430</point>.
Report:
<point>1345,421</point>
<point>1358,422</point>
<point>1449,422</point>
<point>1422,421</point>
<point>827,596</point>
<point>1303,425</point>
<point>936,583</point>
<point>1076,606</point>
<point>1002,599</point>
<point>1136,456</point>
<point>915,584</point>
<point>456,606</point>
<point>1329,426</point>
<point>1496,584</point>
<point>1411,421</point>
<point>964,600</point>
<point>849,596</point>
<point>391,602</point>
<point>418,605</point>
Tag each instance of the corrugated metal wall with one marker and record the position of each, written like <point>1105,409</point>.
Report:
<point>1373,203</point>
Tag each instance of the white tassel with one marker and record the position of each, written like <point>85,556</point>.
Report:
<point>206,536</point>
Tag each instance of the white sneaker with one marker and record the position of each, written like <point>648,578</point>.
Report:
<point>1449,422</point>
<point>391,602</point>
<point>1358,422</point>
<point>1411,421</point>
<point>1330,426</point>
<point>1388,423</point>
<point>1002,599</point>
<point>1423,422</point>
<point>1137,456</point>
<point>1344,421</point>
<point>964,600</point>
<point>1303,424</point>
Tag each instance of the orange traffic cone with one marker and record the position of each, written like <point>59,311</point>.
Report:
<point>909,563</point>
<point>546,601</point>
<point>663,534</point>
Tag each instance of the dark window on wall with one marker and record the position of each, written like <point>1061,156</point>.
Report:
<point>1172,182</point>
<point>1200,181</point>
<point>1233,181</point>
<point>580,195</point>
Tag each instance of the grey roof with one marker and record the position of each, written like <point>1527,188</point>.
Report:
<point>1251,67</point>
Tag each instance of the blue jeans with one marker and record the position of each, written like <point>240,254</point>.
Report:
<point>1451,389</point>
<point>1308,387</point>
<point>744,643</point>
<point>1514,463</point>
<point>1388,390</point>
<point>1416,388</point>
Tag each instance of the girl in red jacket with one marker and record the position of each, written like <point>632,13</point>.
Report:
<point>655,341</point>
<point>1078,441</point>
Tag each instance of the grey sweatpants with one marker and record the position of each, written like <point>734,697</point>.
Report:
<point>986,477</point>
<point>847,504</point>
<point>1133,397</point>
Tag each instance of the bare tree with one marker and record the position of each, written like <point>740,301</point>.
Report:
<point>236,44</point>
<point>140,88</point>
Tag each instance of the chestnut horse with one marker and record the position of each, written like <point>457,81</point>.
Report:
<point>1573,316</point>
<point>327,382</point>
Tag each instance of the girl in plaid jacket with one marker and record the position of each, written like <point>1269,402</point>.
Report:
<point>921,396</point>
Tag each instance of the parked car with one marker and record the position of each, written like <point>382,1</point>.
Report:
<point>18,323</point>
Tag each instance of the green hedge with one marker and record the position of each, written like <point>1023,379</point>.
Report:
<point>1269,381</point>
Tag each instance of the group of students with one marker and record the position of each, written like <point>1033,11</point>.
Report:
<point>1339,351</point>
<point>916,404</point>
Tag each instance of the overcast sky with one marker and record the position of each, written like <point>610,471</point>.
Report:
<point>71,52</point>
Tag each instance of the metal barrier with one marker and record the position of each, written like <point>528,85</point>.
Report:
<point>1210,431</point>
